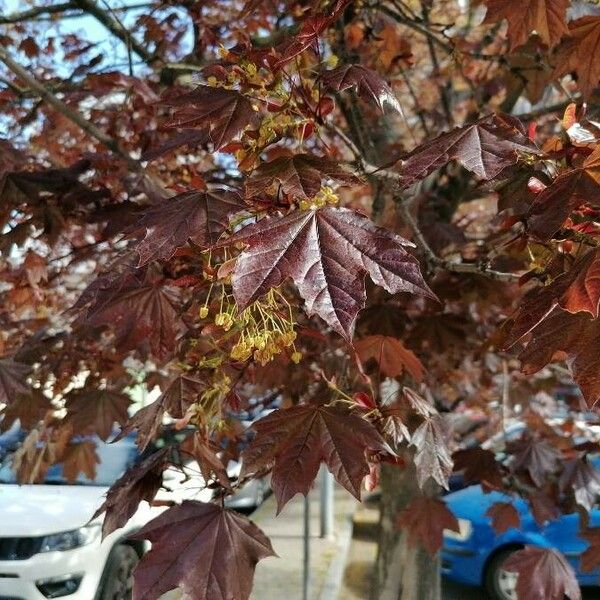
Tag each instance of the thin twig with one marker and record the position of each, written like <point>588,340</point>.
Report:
<point>116,28</point>
<point>67,111</point>
<point>436,262</point>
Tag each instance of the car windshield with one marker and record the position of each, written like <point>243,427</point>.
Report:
<point>114,460</point>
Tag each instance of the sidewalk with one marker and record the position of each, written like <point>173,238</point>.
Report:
<point>281,578</point>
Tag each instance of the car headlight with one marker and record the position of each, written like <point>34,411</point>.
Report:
<point>67,540</point>
<point>465,529</point>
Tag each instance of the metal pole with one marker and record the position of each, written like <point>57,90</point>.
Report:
<point>326,503</point>
<point>306,557</point>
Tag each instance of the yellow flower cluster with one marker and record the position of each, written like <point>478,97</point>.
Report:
<point>324,197</point>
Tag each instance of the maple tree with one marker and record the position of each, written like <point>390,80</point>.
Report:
<point>353,206</point>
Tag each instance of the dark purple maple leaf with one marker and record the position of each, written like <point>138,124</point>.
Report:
<point>197,216</point>
<point>209,552</point>
<point>294,441</point>
<point>13,380</point>
<point>225,112</point>
<point>543,574</point>
<point>504,516</point>
<point>583,479</point>
<point>299,175</point>
<point>370,86</point>
<point>179,395</point>
<point>187,137</point>
<point>137,306</point>
<point>327,253</point>
<point>535,457</point>
<point>138,483</point>
<point>97,411</point>
<point>432,457</point>
<point>485,148</point>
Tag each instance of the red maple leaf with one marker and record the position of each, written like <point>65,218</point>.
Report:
<point>137,484</point>
<point>504,516</point>
<point>485,148</point>
<point>13,380</point>
<point>299,175</point>
<point>96,411</point>
<point>197,216</point>
<point>369,85</point>
<point>224,112</point>
<point>207,551</point>
<point>391,355</point>
<point>294,441</point>
<point>543,573</point>
<point>547,18</point>
<point>432,458</point>
<point>327,253</point>
<point>425,520</point>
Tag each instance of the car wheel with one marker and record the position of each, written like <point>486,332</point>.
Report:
<point>501,584</point>
<point>118,580</point>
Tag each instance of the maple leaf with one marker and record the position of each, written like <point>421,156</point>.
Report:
<point>391,354</point>
<point>294,441</point>
<point>327,253</point>
<point>29,408</point>
<point>543,574</point>
<point>299,175</point>
<point>535,457</point>
<point>225,112</point>
<point>200,447</point>
<point>572,334</point>
<point>197,216</point>
<point>479,466</point>
<point>546,18</point>
<point>590,559</point>
<point>432,458</point>
<point>504,516</point>
<point>484,148</point>
<point>369,85</point>
<point>583,285</point>
<point>425,520</point>
<point>565,194</point>
<point>180,394</point>
<point>578,53</point>
<point>96,411</point>
<point>584,479</point>
<point>136,484</point>
<point>13,380</point>
<point>543,508</point>
<point>207,551</point>
<point>137,306</point>
<point>191,138</point>
<point>80,457</point>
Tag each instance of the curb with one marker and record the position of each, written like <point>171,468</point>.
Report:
<point>335,573</point>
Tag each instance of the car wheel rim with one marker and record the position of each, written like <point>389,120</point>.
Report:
<point>507,585</point>
<point>124,582</point>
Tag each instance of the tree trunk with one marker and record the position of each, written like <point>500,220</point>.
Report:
<point>402,571</point>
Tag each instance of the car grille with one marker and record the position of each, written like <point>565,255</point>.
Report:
<point>19,548</point>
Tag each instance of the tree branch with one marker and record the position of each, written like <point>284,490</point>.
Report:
<point>435,261</point>
<point>67,111</point>
<point>90,7</point>
<point>35,12</point>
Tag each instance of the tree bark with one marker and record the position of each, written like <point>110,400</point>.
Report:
<point>403,571</point>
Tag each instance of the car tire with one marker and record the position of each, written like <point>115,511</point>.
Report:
<point>500,584</point>
<point>117,581</point>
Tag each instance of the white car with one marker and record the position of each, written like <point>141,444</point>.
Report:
<point>50,549</point>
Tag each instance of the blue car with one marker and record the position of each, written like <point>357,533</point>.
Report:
<point>475,555</point>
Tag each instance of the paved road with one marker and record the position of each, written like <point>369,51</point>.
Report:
<point>453,591</point>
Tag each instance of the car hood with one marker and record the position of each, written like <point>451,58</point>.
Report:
<point>33,510</point>
<point>472,503</point>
